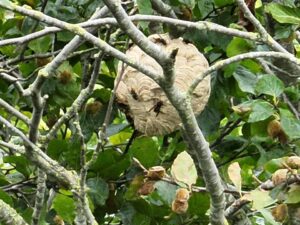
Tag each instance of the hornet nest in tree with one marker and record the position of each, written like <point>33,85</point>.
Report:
<point>145,102</point>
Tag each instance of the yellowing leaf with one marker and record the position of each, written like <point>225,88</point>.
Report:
<point>234,173</point>
<point>184,170</point>
<point>260,199</point>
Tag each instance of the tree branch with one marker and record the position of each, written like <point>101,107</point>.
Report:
<point>182,104</point>
<point>47,71</point>
<point>251,55</point>
<point>14,112</point>
<point>9,216</point>
<point>199,25</point>
<point>262,31</point>
<point>39,158</point>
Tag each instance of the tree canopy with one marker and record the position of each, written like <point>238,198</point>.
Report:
<point>73,150</point>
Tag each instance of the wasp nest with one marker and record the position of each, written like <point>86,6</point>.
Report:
<point>145,102</point>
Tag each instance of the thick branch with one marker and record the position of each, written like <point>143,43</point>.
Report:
<point>29,37</point>
<point>39,197</point>
<point>13,80</point>
<point>182,104</point>
<point>163,8</point>
<point>12,147</point>
<point>39,158</point>
<point>9,216</point>
<point>14,112</point>
<point>200,149</point>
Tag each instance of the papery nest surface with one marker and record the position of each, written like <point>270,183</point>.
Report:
<point>145,102</point>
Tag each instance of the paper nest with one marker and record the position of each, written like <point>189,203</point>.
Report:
<point>146,103</point>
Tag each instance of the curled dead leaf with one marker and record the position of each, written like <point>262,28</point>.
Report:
<point>180,204</point>
<point>293,162</point>
<point>147,188</point>
<point>182,195</point>
<point>93,107</point>
<point>58,220</point>
<point>280,176</point>
<point>179,207</point>
<point>43,61</point>
<point>65,77</point>
<point>275,130</point>
<point>280,212</point>
<point>156,173</point>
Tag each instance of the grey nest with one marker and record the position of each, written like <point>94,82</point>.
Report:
<point>146,103</point>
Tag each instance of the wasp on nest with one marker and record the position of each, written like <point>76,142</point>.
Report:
<point>146,103</point>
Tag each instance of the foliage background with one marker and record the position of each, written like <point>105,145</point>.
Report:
<point>245,98</point>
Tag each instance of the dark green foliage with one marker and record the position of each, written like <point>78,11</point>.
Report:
<point>244,100</point>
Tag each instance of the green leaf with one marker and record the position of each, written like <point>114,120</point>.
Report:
<point>293,195</point>
<point>6,198</point>
<point>269,85</point>
<point>67,152</point>
<point>238,46</point>
<point>8,50</point>
<point>40,45</point>
<point>98,190</point>
<point>72,155</point>
<point>20,162</point>
<point>221,3</point>
<point>3,179</point>
<point>110,164</point>
<point>290,3</point>
<point>205,7</point>
<point>65,207</point>
<point>65,36</point>
<point>56,148</point>
<point>90,122</point>
<point>284,31</point>
<point>138,212</point>
<point>27,68</point>
<point>135,185</point>
<point>146,150</point>
<point>63,12</point>
<point>140,219</point>
<point>290,126</point>
<point>175,146</point>
<point>209,119</point>
<point>116,128</point>
<point>274,164</point>
<point>261,110</point>
<point>184,170</point>
<point>198,205</point>
<point>246,80</point>
<point>251,65</point>
<point>144,7</point>
<point>284,14</point>
<point>166,191</point>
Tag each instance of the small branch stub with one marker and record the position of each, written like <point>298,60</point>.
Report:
<point>145,102</point>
